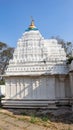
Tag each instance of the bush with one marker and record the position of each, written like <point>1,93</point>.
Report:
<point>69,60</point>
<point>2,82</point>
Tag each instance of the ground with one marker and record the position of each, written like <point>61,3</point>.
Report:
<point>61,120</point>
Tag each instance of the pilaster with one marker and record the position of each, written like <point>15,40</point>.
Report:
<point>62,86</point>
<point>71,83</point>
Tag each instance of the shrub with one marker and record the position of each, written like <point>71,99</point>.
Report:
<point>69,60</point>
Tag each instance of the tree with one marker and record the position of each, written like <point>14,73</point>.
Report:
<point>67,45</point>
<point>6,53</point>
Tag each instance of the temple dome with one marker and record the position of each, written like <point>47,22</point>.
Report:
<point>36,55</point>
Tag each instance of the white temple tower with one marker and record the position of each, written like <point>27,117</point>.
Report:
<point>37,76</point>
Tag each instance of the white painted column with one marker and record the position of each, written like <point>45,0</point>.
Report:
<point>34,89</point>
<point>71,83</point>
<point>22,88</point>
<point>13,88</point>
<point>7,89</point>
<point>38,88</point>
<point>51,87</point>
<point>29,88</point>
<point>18,88</point>
<point>42,85</point>
<point>57,87</point>
<point>26,89</point>
<point>62,86</point>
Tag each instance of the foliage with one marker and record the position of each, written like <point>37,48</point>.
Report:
<point>33,119</point>
<point>69,60</point>
<point>5,55</point>
<point>66,44</point>
<point>2,81</point>
<point>3,45</point>
<point>44,118</point>
<point>60,40</point>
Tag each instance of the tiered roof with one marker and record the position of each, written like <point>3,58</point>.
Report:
<point>35,55</point>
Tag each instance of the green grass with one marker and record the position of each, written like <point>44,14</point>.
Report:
<point>45,118</point>
<point>69,128</point>
<point>33,119</point>
<point>23,114</point>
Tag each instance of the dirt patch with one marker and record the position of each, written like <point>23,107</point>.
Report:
<point>61,119</point>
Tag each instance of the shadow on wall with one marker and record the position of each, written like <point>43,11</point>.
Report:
<point>39,87</point>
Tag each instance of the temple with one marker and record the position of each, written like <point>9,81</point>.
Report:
<point>38,75</point>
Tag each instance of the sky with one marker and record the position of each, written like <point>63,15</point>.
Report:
<point>52,18</point>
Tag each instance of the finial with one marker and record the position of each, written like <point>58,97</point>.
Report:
<point>32,25</point>
<point>32,18</point>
